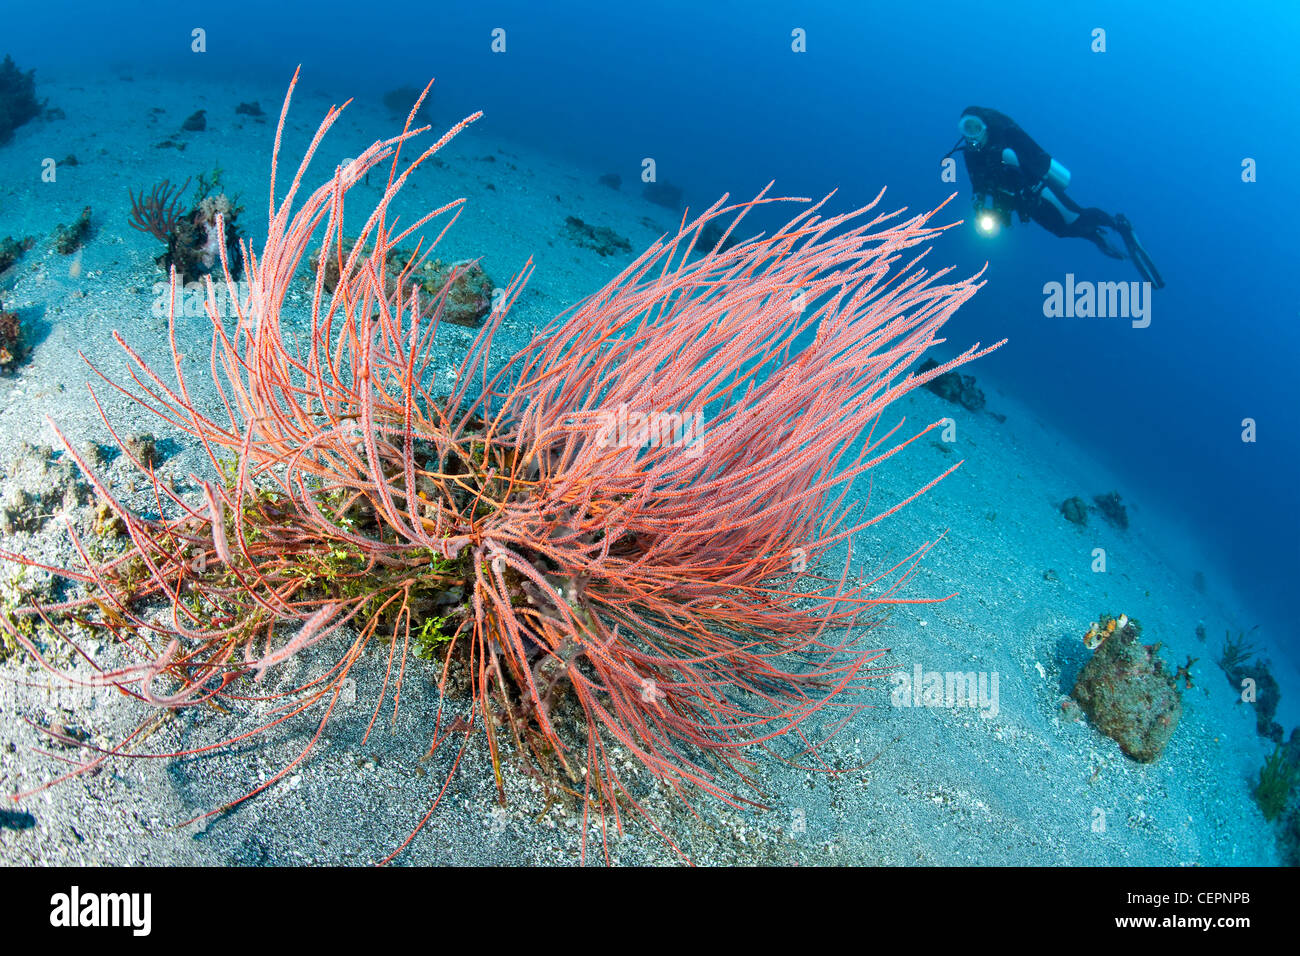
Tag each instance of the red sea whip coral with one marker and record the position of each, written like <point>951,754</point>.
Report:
<point>661,587</point>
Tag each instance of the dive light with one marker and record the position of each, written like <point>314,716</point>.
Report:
<point>990,216</point>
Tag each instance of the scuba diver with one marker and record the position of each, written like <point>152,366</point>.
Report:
<point>1009,172</point>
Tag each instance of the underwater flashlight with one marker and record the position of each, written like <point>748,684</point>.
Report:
<point>992,211</point>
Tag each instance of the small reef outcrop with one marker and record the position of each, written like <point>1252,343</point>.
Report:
<point>1126,689</point>
<point>18,103</point>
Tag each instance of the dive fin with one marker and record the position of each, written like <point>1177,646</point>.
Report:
<point>1146,268</point>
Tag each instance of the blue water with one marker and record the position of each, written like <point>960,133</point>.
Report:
<point>1156,127</point>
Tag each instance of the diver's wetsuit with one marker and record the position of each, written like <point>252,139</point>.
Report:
<point>1043,202</point>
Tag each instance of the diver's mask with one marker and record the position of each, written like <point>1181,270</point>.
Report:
<point>974,130</point>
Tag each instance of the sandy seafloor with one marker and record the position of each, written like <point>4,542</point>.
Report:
<point>940,786</point>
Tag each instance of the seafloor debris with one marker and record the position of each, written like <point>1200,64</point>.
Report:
<point>954,387</point>
<point>663,194</point>
<point>1126,690</point>
<point>11,250</point>
<point>400,100</point>
<point>11,340</point>
<point>1252,676</point>
<point>68,239</point>
<point>1112,509</point>
<point>1075,511</point>
<point>712,236</point>
<point>600,239</point>
<point>143,448</point>
<point>37,486</point>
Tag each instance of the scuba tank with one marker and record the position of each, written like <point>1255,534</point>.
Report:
<point>1057,175</point>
